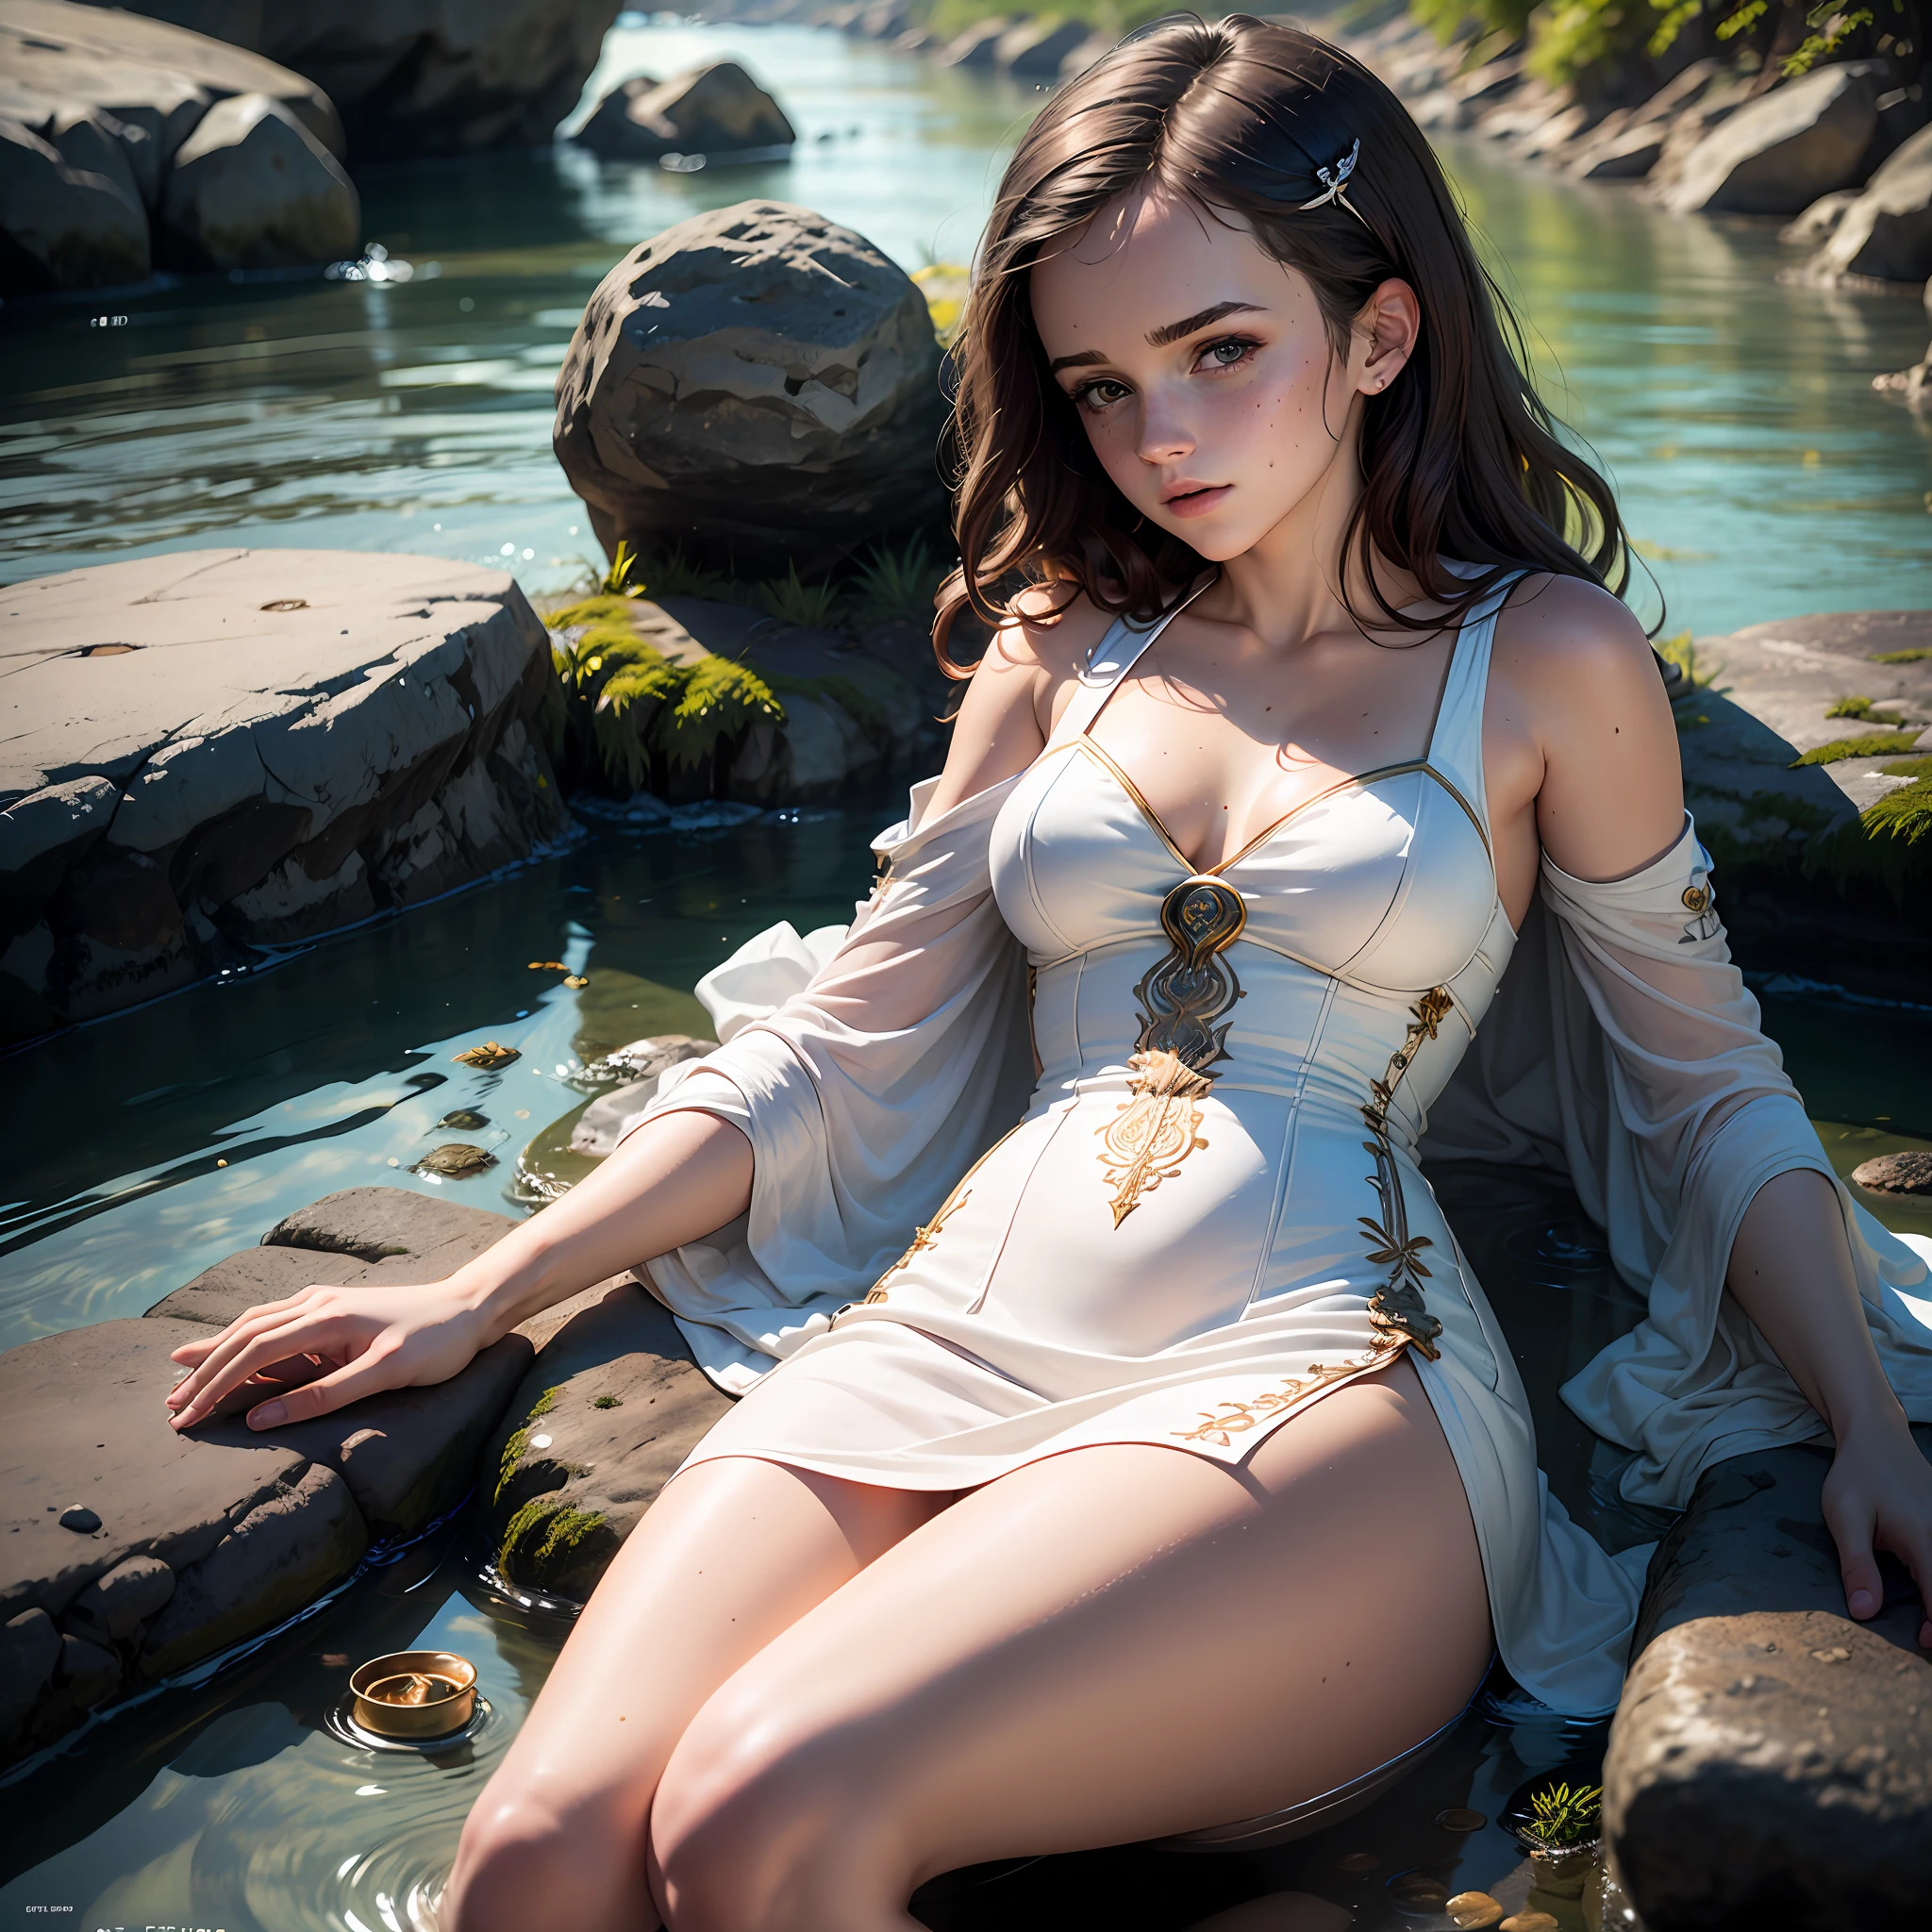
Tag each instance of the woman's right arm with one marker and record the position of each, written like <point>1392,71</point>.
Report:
<point>677,1179</point>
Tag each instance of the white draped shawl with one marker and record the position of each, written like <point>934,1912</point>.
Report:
<point>869,1067</point>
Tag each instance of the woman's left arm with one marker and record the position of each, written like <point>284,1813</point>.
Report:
<point>1590,756</point>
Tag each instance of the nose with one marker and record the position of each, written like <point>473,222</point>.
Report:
<point>1165,436</point>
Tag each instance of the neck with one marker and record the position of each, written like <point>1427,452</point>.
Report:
<point>1290,585</point>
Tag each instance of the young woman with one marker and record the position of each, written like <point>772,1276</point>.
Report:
<point>1175,1478</point>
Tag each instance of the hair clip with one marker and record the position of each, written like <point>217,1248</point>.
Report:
<point>1334,181</point>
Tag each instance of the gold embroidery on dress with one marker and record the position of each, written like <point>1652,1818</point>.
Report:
<point>1235,1418</point>
<point>923,1238</point>
<point>1398,1309</point>
<point>1181,997</point>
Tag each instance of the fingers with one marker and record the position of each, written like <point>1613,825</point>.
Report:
<point>1912,1545</point>
<point>1851,1528</point>
<point>370,1373</point>
<point>194,1353</point>
<point>250,1353</point>
<point>308,1309</point>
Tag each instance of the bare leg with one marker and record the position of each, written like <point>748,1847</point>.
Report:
<point>1111,1644</point>
<point>730,1554</point>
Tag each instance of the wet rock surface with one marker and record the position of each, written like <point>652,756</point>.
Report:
<point>1887,230</point>
<point>1770,1762</point>
<point>1793,893</point>
<point>154,163</point>
<point>223,748</point>
<point>191,1541</point>
<point>609,1409</point>
<point>757,385</point>
<point>718,111</point>
<point>1896,1173</point>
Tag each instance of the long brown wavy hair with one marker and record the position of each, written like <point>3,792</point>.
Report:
<point>1460,456</point>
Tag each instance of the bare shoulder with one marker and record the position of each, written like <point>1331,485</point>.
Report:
<point>1565,648</point>
<point>1575,672</point>
<point>1010,699</point>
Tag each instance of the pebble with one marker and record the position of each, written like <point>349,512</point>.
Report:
<point>1414,1892</point>
<point>1356,1861</point>
<point>1529,1922</point>
<point>1909,1172</point>
<point>490,1054</point>
<point>1460,1818</point>
<point>1468,1910</point>
<point>465,1119</point>
<point>79,1517</point>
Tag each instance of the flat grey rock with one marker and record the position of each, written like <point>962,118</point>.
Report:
<point>220,747</point>
<point>1770,1762</point>
<point>194,1541</point>
<point>757,386</point>
<point>564,1481</point>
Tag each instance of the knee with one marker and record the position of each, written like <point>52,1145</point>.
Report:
<point>522,1862</point>
<point>754,1830</point>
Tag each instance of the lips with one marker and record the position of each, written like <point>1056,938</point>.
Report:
<point>1195,499</point>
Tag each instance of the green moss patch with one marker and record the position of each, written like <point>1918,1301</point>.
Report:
<point>519,1441</point>
<point>1887,844</point>
<point>1874,744</point>
<point>1917,655</point>
<point>1862,707</point>
<point>543,1537</point>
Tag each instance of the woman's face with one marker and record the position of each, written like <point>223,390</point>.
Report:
<point>1201,367</point>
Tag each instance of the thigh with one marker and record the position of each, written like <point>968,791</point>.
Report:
<point>1116,1643</point>
<point>732,1552</point>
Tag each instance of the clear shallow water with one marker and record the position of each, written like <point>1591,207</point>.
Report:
<point>1756,466</point>
<point>363,416</point>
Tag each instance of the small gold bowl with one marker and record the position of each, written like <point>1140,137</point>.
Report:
<point>414,1693</point>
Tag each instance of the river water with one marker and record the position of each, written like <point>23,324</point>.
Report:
<point>1759,471</point>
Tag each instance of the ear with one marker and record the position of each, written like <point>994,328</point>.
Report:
<point>1383,337</point>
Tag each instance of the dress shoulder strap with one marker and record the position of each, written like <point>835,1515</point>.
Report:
<point>1455,745</point>
<point>1118,650</point>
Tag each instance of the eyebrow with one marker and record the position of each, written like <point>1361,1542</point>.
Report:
<point>1160,338</point>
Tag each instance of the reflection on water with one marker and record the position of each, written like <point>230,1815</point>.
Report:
<point>1759,471</point>
<point>1754,461</point>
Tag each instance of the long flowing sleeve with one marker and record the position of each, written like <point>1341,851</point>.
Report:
<point>869,1070</point>
<point>1624,1048</point>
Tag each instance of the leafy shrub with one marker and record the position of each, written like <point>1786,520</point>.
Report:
<point>895,586</point>
<point>810,606</point>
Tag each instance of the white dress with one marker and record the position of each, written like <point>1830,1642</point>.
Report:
<point>1209,1212</point>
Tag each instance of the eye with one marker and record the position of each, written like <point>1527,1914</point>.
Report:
<point>1102,392</point>
<point>1227,352</point>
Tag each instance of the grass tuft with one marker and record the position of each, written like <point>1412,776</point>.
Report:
<point>1559,1816</point>
<point>1862,707</point>
<point>895,587</point>
<point>1917,655</point>
<point>1874,744</point>
<point>810,606</point>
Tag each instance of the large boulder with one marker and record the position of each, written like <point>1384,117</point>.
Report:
<point>1779,153</point>
<point>65,227</point>
<point>757,386</point>
<point>1887,231</point>
<point>1771,1761</point>
<point>149,80</point>
<point>219,747</point>
<point>252,187</point>
<point>717,110</point>
<point>979,44</point>
<point>423,76</point>
<point>133,1551</point>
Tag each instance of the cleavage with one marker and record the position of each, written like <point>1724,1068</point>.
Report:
<point>1137,763</point>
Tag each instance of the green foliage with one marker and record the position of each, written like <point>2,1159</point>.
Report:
<point>1917,655</point>
<point>670,573</point>
<point>541,1536</point>
<point>895,586</point>
<point>520,1440</point>
<point>1864,708</point>
<point>1681,651</point>
<point>1831,30</point>
<point>1561,1817</point>
<point>1874,744</point>
<point>810,606</point>
<point>608,1402</point>
<point>616,581</point>
<point>633,703</point>
<point>1908,768</point>
<point>1888,843</point>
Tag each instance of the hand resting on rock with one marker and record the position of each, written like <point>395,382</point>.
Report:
<point>677,1178</point>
